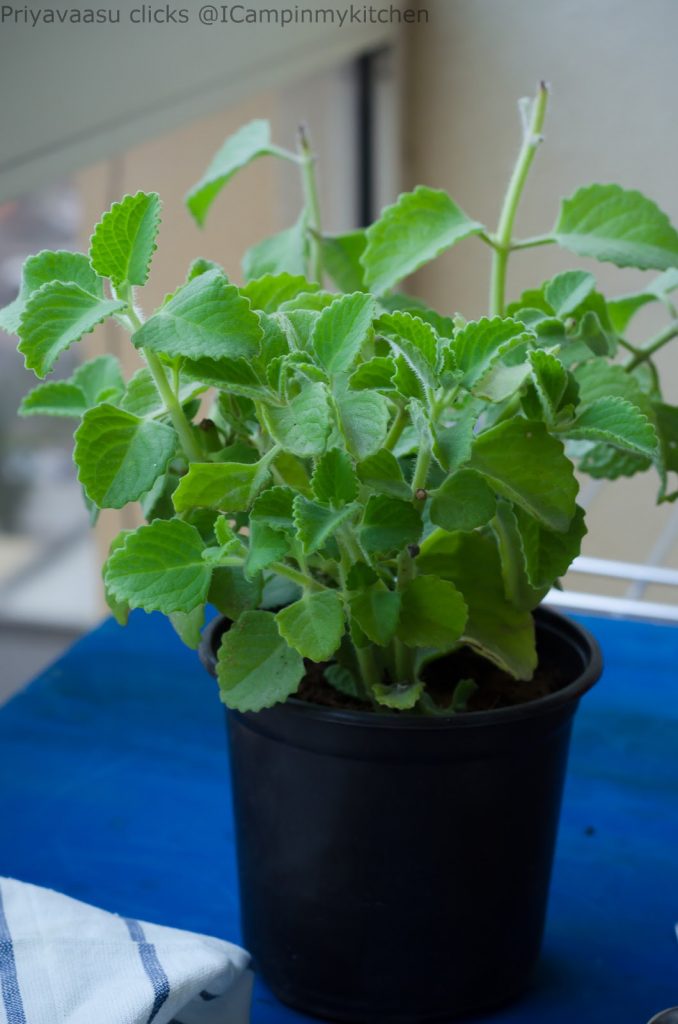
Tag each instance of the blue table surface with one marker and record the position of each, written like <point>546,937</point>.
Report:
<point>114,789</point>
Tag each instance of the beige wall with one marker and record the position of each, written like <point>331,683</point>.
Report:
<point>614,76</point>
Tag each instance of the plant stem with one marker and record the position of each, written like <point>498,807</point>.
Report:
<point>503,237</point>
<point>396,430</point>
<point>183,428</point>
<point>661,339</point>
<point>421,469</point>
<point>307,582</point>
<point>311,203</point>
<point>404,656</point>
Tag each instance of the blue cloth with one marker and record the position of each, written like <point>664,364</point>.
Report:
<point>114,790</point>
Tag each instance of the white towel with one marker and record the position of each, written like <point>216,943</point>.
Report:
<point>65,962</point>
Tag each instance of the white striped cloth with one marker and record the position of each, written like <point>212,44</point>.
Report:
<point>65,962</point>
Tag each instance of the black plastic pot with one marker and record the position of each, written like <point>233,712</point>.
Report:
<point>395,868</point>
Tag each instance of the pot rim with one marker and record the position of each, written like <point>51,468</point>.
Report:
<point>552,621</point>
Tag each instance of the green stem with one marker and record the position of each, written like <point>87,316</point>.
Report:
<point>531,243</point>
<point>503,237</point>
<point>349,553</point>
<point>396,430</point>
<point>183,428</point>
<point>311,203</point>
<point>307,582</point>
<point>421,469</point>
<point>404,656</point>
<point>661,339</point>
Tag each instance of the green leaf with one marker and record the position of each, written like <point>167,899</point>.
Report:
<point>268,293</point>
<point>302,427</point>
<point>120,456</point>
<point>519,588</point>
<point>255,667</point>
<point>522,462</point>
<point>398,302</point>
<point>344,681</point>
<point>314,625</point>
<point>228,486</point>
<point>399,696</point>
<point>432,613</point>
<point>603,462</point>
<point>267,545</point>
<point>99,379</point>
<point>44,268</point>
<point>548,555</point>
<point>495,627</point>
<point>341,259</point>
<point>315,524</point>
<point>286,252</point>
<point>415,340</point>
<point>417,228</point>
<point>462,502</point>
<point>389,525</point>
<point>624,307</point>
<point>550,380</point>
<point>383,474</point>
<point>249,142</point>
<point>482,343</point>
<point>232,593</point>
<point>334,481</point>
<point>55,398</point>
<point>363,418</point>
<point>56,315</point>
<point>143,399</point>
<point>160,568</point>
<point>374,374</point>
<point>342,330</point>
<point>206,317</point>
<point>237,376</point>
<point>119,609</point>
<point>376,610</point>
<point>275,508</point>
<point>123,242</point>
<point>609,223</point>
<point>565,292</point>
<point>600,379</point>
<point>617,422</point>
<point>188,625</point>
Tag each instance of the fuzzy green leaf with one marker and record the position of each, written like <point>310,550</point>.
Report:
<point>342,330</point>
<point>274,507</point>
<point>341,259</point>
<point>44,268</point>
<point>550,380</point>
<point>565,292</point>
<point>482,343</point>
<point>433,613</point>
<point>120,456</point>
<point>376,610</point>
<point>462,502</point>
<point>315,524</point>
<point>266,546</point>
<point>123,242</point>
<point>617,422</point>
<point>623,308</point>
<point>56,316</point>
<point>188,625</point>
<point>334,481</point>
<point>268,293</point>
<point>609,223</point>
<point>389,525</point>
<point>255,666</point>
<point>55,398</point>
<point>495,627</point>
<point>232,593</point>
<point>374,374</point>
<point>228,486</point>
<point>383,474</point>
<point>398,696</point>
<point>249,142</point>
<point>206,317</point>
<point>160,567</point>
<point>302,427</point>
<point>414,230</point>
<point>522,462</point>
<point>363,418</point>
<point>314,625</point>
<point>143,399</point>
<point>286,252</point>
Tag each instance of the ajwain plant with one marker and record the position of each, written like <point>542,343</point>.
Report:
<point>373,484</point>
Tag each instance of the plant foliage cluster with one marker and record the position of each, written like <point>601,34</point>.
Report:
<point>374,483</point>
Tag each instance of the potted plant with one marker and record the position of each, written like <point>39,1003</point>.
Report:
<point>376,501</point>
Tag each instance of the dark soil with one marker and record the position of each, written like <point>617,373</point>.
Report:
<point>496,688</point>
